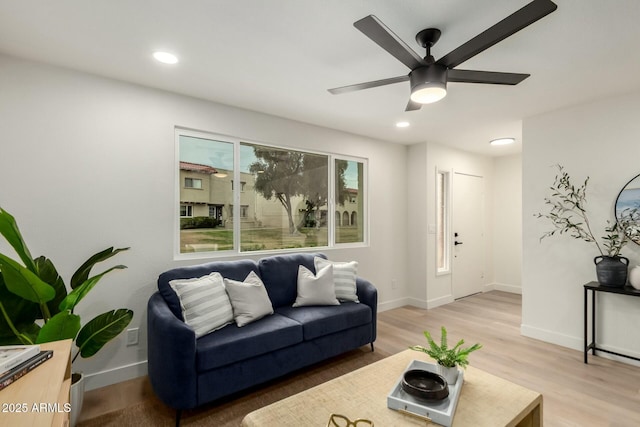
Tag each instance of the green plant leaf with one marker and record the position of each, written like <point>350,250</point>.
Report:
<point>102,329</point>
<point>9,229</point>
<point>62,326</point>
<point>82,274</point>
<point>24,282</point>
<point>22,314</point>
<point>48,273</point>
<point>76,295</point>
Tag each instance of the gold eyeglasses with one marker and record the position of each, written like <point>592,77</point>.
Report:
<point>337,420</point>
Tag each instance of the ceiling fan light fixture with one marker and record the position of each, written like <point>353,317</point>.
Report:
<point>428,94</point>
<point>428,84</point>
<point>502,141</point>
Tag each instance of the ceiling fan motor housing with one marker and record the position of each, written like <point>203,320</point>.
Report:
<point>432,76</point>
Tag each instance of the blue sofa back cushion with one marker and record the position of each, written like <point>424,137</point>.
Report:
<point>280,276</point>
<point>235,270</point>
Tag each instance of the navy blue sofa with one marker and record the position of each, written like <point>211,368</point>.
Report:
<point>186,372</point>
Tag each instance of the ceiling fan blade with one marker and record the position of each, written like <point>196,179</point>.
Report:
<point>490,77</point>
<point>413,106</point>
<point>367,85</point>
<point>373,28</point>
<point>515,22</point>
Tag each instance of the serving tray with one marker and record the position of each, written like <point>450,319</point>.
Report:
<point>437,411</point>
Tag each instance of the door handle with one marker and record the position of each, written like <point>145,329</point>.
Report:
<point>456,243</point>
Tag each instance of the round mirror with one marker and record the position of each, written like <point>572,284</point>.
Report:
<point>627,209</point>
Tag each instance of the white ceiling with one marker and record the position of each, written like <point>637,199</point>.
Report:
<point>281,56</point>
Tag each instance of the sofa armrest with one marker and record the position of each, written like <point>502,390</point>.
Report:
<point>368,294</point>
<point>171,346</point>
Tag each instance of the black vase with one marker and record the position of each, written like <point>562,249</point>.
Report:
<point>612,270</point>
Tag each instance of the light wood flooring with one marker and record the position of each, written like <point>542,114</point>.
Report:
<point>602,393</point>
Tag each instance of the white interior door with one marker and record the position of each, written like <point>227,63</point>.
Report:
<point>468,239</point>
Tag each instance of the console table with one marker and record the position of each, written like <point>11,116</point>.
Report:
<point>595,287</point>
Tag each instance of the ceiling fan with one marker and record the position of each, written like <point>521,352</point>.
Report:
<point>428,78</point>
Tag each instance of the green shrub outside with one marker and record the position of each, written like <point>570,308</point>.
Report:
<point>198,222</point>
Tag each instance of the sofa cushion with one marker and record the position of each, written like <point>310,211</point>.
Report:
<point>316,289</point>
<point>249,299</point>
<point>323,320</point>
<point>204,302</point>
<point>236,270</point>
<point>344,277</point>
<point>232,344</point>
<point>280,276</point>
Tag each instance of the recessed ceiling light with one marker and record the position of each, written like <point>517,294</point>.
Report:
<point>165,57</point>
<point>403,124</point>
<point>502,141</point>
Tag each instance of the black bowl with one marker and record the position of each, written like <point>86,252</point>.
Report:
<point>425,385</point>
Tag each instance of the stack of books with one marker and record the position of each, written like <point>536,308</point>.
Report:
<point>18,360</point>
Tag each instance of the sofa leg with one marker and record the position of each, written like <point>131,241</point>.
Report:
<point>178,415</point>
<point>372,349</point>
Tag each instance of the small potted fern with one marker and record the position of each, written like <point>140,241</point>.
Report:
<point>448,359</point>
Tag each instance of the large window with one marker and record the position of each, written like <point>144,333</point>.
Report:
<point>283,200</point>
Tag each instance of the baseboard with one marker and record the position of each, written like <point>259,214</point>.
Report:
<point>415,302</point>
<point>115,375</point>
<point>437,302</point>
<point>552,337</point>
<point>577,343</point>
<point>512,289</point>
<point>397,303</point>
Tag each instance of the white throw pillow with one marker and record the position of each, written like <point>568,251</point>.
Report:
<point>249,299</point>
<point>316,290</point>
<point>344,277</point>
<point>204,302</point>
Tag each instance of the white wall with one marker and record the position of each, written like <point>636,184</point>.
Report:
<point>428,289</point>
<point>599,140</point>
<point>507,223</point>
<point>419,204</point>
<point>87,163</point>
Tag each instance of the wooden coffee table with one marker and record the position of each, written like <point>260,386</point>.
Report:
<point>486,400</point>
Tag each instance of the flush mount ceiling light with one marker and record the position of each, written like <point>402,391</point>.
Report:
<point>220,175</point>
<point>165,57</point>
<point>502,141</point>
<point>403,124</point>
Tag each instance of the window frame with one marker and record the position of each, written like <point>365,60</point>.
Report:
<point>446,217</point>
<point>236,197</point>
<point>365,202</point>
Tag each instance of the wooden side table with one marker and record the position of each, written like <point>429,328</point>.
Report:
<point>41,397</point>
<point>595,287</point>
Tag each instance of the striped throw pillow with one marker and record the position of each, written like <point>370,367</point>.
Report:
<point>344,277</point>
<point>204,302</point>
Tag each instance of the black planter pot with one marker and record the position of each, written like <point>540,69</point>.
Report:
<point>612,270</point>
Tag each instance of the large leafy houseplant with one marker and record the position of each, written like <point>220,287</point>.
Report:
<point>36,307</point>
